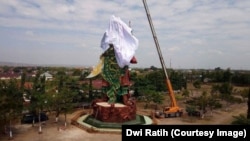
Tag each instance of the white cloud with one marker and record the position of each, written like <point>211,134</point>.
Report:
<point>185,30</point>
<point>29,33</point>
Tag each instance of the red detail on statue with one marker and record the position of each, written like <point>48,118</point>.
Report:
<point>133,60</point>
<point>124,80</point>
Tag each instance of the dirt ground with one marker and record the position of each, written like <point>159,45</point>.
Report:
<point>51,132</point>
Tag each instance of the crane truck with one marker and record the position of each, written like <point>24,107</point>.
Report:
<point>173,110</point>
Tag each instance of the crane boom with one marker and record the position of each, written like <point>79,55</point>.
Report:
<point>173,105</point>
<point>169,86</point>
<point>155,38</point>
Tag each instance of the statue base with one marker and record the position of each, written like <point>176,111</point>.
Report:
<point>116,112</point>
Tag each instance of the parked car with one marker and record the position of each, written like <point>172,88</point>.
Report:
<point>29,117</point>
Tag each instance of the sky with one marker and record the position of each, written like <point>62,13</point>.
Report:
<point>192,34</point>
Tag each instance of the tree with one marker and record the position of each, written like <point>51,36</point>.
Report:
<point>63,98</point>
<point>197,84</point>
<point>66,97</point>
<point>213,103</point>
<point>215,89</point>
<point>240,78</point>
<point>12,103</point>
<point>203,102</point>
<point>152,96</point>
<point>3,104</point>
<point>38,98</point>
<point>77,72</point>
<point>147,98</point>
<point>178,80</point>
<point>227,76</point>
<point>156,79</point>
<point>57,98</point>
<point>226,91</point>
<point>190,109</point>
<point>157,98</point>
<point>185,93</point>
<point>242,119</point>
<point>136,93</point>
<point>218,75</point>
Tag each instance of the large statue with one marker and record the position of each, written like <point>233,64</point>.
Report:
<point>112,74</point>
<point>119,45</point>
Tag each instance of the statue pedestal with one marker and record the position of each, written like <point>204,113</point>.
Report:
<point>116,112</point>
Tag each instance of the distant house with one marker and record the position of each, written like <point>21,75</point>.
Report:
<point>31,75</point>
<point>47,75</point>
<point>7,76</point>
